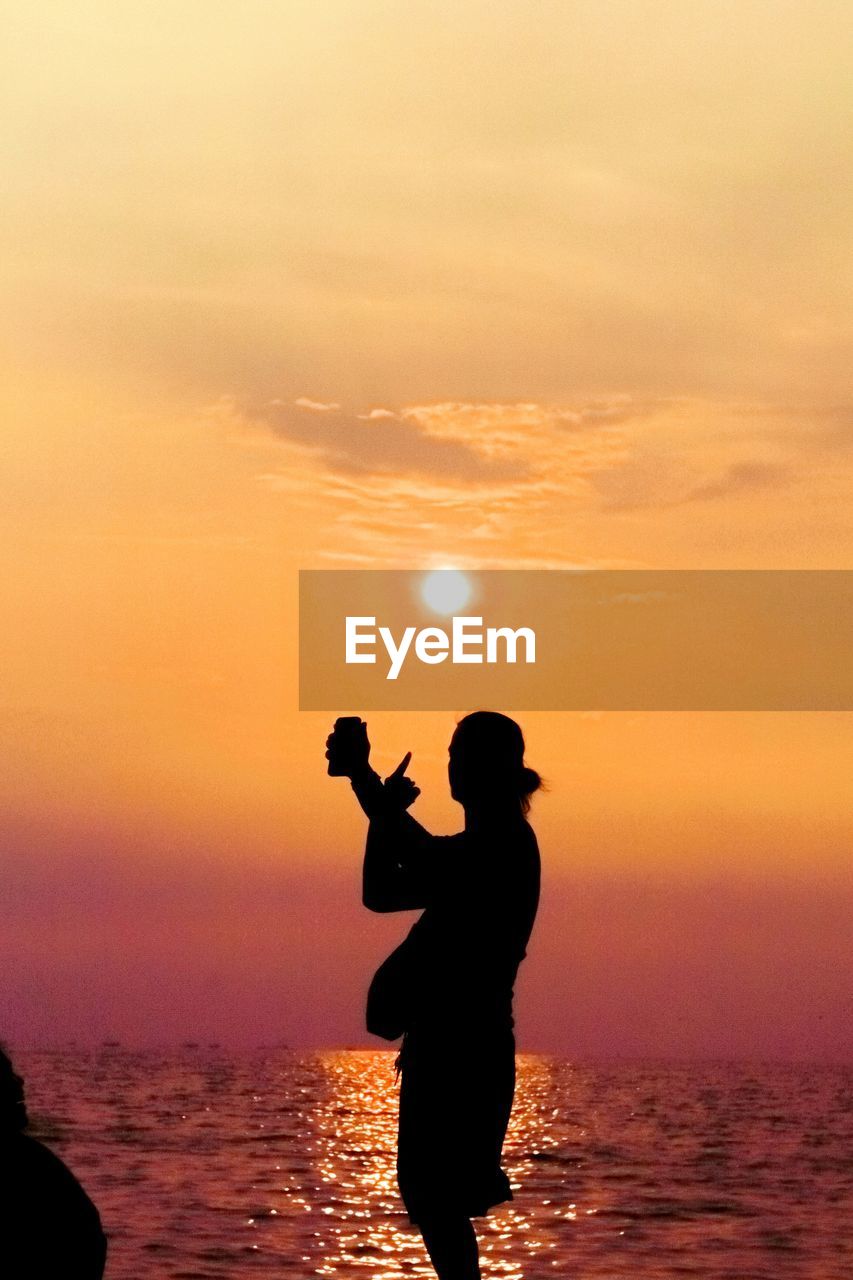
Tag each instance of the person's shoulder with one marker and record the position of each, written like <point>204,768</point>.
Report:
<point>516,843</point>
<point>526,836</point>
<point>529,845</point>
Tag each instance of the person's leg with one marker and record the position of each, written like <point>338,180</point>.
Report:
<point>451,1243</point>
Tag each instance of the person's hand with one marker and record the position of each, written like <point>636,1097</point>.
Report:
<point>348,748</point>
<point>401,792</point>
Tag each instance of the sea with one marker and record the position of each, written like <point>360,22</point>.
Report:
<point>207,1163</point>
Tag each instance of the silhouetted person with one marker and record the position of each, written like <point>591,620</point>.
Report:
<point>49,1228</point>
<point>448,988</point>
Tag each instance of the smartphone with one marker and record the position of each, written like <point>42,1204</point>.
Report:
<point>348,730</point>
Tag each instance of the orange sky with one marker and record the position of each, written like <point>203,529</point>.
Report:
<point>392,286</point>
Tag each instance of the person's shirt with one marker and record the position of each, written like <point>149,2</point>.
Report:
<point>478,892</point>
<point>481,893</point>
<point>49,1228</point>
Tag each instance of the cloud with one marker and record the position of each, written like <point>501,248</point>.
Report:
<point>659,481</point>
<point>383,443</point>
<point>541,484</point>
<point>488,480</point>
<point>558,443</point>
<point>316,405</point>
<point>740,477</point>
<point>547,447</point>
<point>609,411</point>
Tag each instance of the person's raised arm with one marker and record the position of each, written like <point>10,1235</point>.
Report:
<point>397,850</point>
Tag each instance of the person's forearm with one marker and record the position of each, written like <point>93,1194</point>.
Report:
<point>369,792</point>
<point>388,817</point>
<point>387,884</point>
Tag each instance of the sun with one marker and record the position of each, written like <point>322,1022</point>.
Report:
<point>446,591</point>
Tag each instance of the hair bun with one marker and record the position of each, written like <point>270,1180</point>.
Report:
<point>530,781</point>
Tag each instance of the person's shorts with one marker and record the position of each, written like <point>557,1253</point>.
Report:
<point>455,1102</point>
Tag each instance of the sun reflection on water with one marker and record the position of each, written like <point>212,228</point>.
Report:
<point>355,1145</point>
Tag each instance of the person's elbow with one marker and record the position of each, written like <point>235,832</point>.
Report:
<point>379,903</point>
